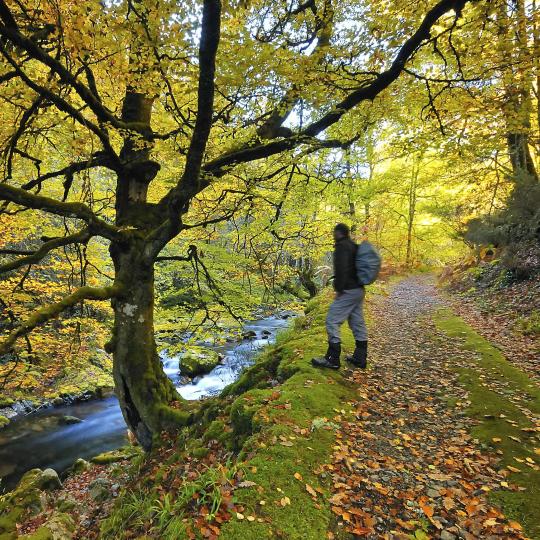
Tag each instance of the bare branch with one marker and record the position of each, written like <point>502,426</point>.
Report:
<point>367,92</point>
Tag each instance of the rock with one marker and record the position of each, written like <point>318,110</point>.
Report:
<point>249,334</point>
<point>80,465</point>
<point>198,361</point>
<point>49,480</point>
<point>103,392</point>
<point>66,503</point>
<point>59,526</point>
<point>433,493</point>
<point>115,455</point>
<point>68,420</point>
<point>100,489</point>
<point>445,535</point>
<point>266,333</point>
<point>58,401</point>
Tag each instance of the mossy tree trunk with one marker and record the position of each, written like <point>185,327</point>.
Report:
<point>143,389</point>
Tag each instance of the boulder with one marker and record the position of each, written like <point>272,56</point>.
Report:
<point>79,466</point>
<point>249,334</point>
<point>198,361</point>
<point>49,480</point>
<point>24,499</point>
<point>66,503</point>
<point>68,420</point>
<point>100,489</point>
<point>59,526</point>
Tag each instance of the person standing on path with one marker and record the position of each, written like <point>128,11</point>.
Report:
<point>347,306</point>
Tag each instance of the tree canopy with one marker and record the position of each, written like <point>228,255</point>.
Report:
<point>147,133</point>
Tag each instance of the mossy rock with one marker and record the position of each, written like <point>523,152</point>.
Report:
<point>6,401</point>
<point>80,465</point>
<point>115,455</point>
<point>24,499</point>
<point>59,526</point>
<point>198,362</point>
<point>68,420</point>
<point>215,431</point>
<point>3,421</point>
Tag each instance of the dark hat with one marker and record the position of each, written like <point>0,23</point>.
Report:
<point>343,229</point>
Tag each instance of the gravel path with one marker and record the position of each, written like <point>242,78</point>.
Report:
<point>406,464</point>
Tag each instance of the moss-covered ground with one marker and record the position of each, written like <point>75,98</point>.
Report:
<point>277,421</point>
<point>506,405</point>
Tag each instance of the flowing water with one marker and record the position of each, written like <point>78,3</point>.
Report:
<point>41,440</point>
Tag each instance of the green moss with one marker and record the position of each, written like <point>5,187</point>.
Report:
<point>268,426</point>
<point>198,361</point>
<point>214,431</point>
<point>200,452</point>
<point>128,452</point>
<point>493,384</point>
<point>3,421</point>
<point>41,534</point>
<point>6,401</point>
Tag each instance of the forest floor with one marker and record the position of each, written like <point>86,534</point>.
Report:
<point>507,316</point>
<point>439,438</point>
<point>415,458</point>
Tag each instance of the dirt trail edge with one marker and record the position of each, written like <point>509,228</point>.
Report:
<point>405,465</point>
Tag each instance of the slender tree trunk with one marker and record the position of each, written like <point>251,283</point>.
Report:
<point>411,214</point>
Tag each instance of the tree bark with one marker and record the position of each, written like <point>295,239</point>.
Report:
<point>142,387</point>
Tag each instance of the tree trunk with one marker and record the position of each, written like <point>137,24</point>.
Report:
<point>143,389</point>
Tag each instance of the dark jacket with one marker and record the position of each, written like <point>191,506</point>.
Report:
<point>344,265</point>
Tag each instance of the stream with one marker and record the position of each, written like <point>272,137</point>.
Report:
<point>41,440</point>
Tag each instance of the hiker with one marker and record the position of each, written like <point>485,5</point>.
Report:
<point>348,304</point>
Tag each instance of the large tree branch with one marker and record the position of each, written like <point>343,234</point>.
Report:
<point>59,102</point>
<point>210,33</point>
<point>33,257</point>
<point>190,182</point>
<point>41,316</point>
<point>35,51</point>
<point>66,209</point>
<point>97,160</point>
<point>272,128</point>
<point>365,93</point>
<point>190,186</point>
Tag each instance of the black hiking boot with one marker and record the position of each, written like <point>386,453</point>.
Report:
<point>359,356</point>
<point>331,358</point>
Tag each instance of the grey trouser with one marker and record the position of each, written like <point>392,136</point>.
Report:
<point>348,306</point>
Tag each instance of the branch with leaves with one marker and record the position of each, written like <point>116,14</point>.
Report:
<point>41,316</point>
<point>67,209</point>
<point>80,237</point>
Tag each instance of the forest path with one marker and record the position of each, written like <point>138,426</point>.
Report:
<point>406,463</point>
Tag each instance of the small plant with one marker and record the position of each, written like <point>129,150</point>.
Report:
<point>161,514</point>
<point>529,325</point>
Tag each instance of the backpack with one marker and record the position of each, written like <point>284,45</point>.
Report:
<point>367,262</point>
